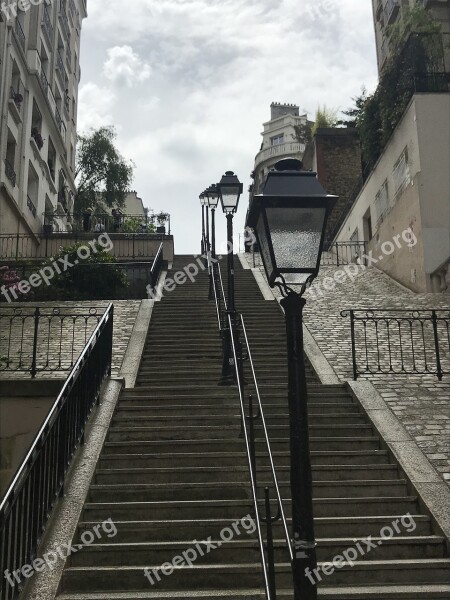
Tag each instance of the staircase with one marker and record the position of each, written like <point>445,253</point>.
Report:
<point>173,472</point>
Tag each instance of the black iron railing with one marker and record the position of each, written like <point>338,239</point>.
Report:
<point>249,419</point>
<point>156,268</point>
<point>343,253</point>
<point>124,246</point>
<point>401,342</point>
<point>37,340</point>
<point>39,482</point>
<point>99,222</point>
<point>10,173</point>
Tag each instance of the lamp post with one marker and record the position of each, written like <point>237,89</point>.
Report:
<point>289,219</point>
<point>230,190</point>
<point>203,203</point>
<point>212,195</point>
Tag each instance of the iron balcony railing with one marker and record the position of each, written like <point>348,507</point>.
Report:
<point>20,34</point>
<point>32,207</point>
<point>10,173</point>
<point>63,19</point>
<point>400,342</point>
<point>44,81</point>
<point>98,221</point>
<point>39,482</point>
<point>43,340</point>
<point>17,95</point>
<point>343,253</point>
<point>47,25</point>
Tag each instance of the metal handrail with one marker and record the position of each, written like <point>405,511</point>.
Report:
<point>269,449</point>
<point>249,455</point>
<point>156,267</point>
<point>39,481</point>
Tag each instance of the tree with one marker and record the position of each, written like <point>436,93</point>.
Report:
<point>303,133</point>
<point>355,112</point>
<point>101,171</point>
<point>325,118</point>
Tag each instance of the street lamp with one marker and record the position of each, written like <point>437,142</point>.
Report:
<point>230,190</point>
<point>203,202</point>
<point>289,219</point>
<point>212,196</point>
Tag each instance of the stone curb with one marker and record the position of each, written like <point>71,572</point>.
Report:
<point>434,493</point>
<point>63,523</point>
<point>133,355</point>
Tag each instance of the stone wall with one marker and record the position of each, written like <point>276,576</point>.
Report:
<point>420,402</point>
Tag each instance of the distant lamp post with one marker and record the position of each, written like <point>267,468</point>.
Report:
<point>289,220</point>
<point>212,195</point>
<point>230,190</point>
<point>203,202</point>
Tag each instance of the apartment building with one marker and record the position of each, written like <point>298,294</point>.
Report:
<point>280,140</point>
<point>39,79</point>
<point>388,12</point>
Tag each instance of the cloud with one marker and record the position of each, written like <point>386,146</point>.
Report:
<point>95,104</point>
<point>203,74</point>
<point>124,67</point>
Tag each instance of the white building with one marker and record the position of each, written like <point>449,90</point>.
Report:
<point>39,78</point>
<point>280,140</point>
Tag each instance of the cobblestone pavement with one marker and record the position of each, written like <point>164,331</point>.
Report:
<point>420,402</point>
<point>63,339</point>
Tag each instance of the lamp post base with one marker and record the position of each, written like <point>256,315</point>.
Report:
<point>305,560</point>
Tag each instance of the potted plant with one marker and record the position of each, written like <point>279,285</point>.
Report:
<point>161,219</point>
<point>18,99</point>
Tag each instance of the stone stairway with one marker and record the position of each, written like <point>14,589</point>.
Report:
<point>174,471</point>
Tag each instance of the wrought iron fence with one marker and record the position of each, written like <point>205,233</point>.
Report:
<point>99,222</point>
<point>401,342</point>
<point>38,340</point>
<point>343,253</point>
<point>39,482</point>
<point>125,246</point>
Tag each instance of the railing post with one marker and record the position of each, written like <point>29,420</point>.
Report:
<point>270,548</point>
<point>337,255</point>
<point>133,236</point>
<point>37,314</point>
<point>17,247</point>
<point>436,345</point>
<point>352,327</point>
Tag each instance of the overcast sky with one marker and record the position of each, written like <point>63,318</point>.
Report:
<point>188,84</point>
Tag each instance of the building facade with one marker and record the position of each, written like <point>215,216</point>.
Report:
<point>39,79</point>
<point>280,140</point>
<point>388,12</point>
<point>409,191</point>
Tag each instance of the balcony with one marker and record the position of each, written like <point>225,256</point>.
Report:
<point>63,20</point>
<point>16,97</point>
<point>279,151</point>
<point>61,70</point>
<point>44,81</point>
<point>60,124</point>
<point>391,10</point>
<point>20,35</point>
<point>10,173</point>
<point>47,26</point>
<point>31,206</point>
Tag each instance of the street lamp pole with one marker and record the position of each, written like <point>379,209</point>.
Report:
<point>289,220</point>
<point>230,190</point>
<point>212,196</point>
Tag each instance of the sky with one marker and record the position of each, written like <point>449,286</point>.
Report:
<point>188,84</point>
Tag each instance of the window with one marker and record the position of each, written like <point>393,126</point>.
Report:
<point>51,160</point>
<point>382,202</point>
<point>401,173</point>
<point>277,140</point>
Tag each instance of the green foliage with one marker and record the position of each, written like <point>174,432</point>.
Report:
<point>161,218</point>
<point>325,118</point>
<point>135,225</point>
<point>303,133</point>
<point>355,113</point>
<point>414,19</point>
<point>101,170</point>
<point>93,278</point>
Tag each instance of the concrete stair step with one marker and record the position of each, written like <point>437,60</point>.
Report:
<point>109,460</point>
<point>330,444</point>
<point>376,592</point>
<point>144,491</point>
<point>234,509</point>
<point>220,473</point>
<point>246,549</point>
<point>146,408</point>
<point>230,418</point>
<point>182,530</point>
<point>248,575</point>
<point>179,431</point>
